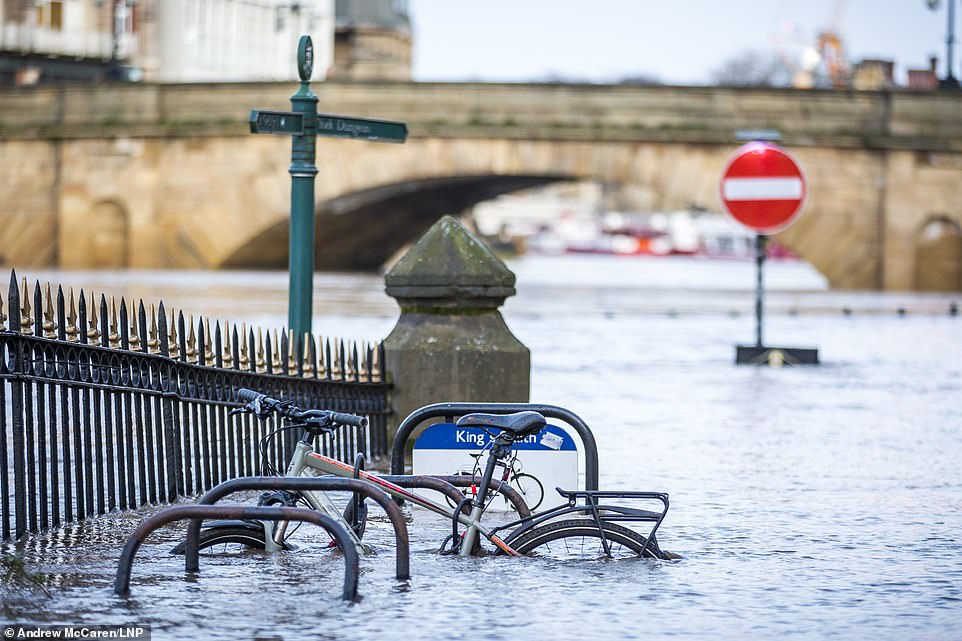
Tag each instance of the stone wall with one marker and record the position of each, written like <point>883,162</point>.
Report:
<point>838,119</point>
<point>28,202</point>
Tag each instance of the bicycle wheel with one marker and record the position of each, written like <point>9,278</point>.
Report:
<point>580,539</point>
<point>358,522</point>
<point>229,538</point>
<point>530,489</point>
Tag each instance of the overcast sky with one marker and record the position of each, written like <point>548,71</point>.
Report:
<point>679,42</point>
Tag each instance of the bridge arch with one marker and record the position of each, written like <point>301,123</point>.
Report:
<point>97,234</point>
<point>364,217</point>
<point>363,229</point>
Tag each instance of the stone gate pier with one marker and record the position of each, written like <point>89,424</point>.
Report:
<point>451,343</point>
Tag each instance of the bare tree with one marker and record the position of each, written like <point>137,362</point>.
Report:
<point>753,69</point>
<point>640,80</point>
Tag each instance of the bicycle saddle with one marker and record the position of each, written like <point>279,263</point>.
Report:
<point>519,424</point>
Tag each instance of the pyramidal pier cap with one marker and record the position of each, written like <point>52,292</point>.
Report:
<point>450,268</point>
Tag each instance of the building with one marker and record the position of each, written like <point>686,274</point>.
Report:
<point>874,75</point>
<point>44,41</point>
<point>924,79</point>
<point>62,40</point>
<point>233,40</point>
<point>372,40</point>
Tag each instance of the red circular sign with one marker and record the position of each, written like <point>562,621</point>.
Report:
<point>763,187</point>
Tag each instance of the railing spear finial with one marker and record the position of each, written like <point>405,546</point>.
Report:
<point>71,330</point>
<point>192,351</point>
<point>307,359</point>
<point>227,356</point>
<point>336,371</point>
<point>114,337</point>
<point>208,345</point>
<point>363,375</point>
<point>26,321</point>
<point>153,336</point>
<point>260,363</point>
<point>245,359</point>
<point>49,325</point>
<point>133,334</point>
<point>173,339</point>
<point>93,333</point>
<point>376,364</point>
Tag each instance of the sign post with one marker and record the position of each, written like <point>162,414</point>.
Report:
<point>764,188</point>
<point>304,124</point>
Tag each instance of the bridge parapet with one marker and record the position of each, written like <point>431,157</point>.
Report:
<point>709,115</point>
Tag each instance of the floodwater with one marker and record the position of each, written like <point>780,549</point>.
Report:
<point>807,503</point>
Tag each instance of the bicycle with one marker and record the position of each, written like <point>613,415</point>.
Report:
<point>542,534</point>
<point>527,485</point>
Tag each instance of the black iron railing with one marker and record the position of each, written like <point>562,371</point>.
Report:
<point>106,407</point>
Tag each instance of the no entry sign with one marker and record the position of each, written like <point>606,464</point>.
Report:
<point>763,187</point>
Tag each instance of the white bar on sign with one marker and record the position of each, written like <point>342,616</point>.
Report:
<point>762,189</point>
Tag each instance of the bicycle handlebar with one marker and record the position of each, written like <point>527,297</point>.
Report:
<point>342,418</point>
<point>248,395</point>
<point>264,403</point>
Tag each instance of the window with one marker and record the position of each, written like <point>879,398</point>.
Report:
<point>50,15</point>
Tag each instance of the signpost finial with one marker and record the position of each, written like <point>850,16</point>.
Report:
<point>305,58</point>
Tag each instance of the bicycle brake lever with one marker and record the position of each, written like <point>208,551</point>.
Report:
<point>261,410</point>
<point>325,431</point>
<point>321,427</point>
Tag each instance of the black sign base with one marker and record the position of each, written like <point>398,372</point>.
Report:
<point>775,356</point>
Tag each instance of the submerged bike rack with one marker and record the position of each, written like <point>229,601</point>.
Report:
<point>183,512</point>
<point>452,410</point>
<point>515,498</point>
<point>448,485</point>
<point>321,484</point>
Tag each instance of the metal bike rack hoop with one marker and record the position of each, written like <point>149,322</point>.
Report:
<point>317,484</point>
<point>184,512</point>
<point>448,485</point>
<point>419,416</point>
<point>504,489</point>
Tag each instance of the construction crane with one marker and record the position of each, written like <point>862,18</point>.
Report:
<point>824,58</point>
<point>832,51</point>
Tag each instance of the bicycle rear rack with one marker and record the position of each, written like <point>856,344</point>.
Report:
<point>183,512</point>
<point>615,513</point>
<point>321,483</point>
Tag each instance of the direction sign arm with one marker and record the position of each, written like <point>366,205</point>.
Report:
<point>288,123</point>
<point>361,128</point>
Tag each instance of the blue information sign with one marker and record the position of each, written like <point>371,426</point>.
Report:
<point>448,436</point>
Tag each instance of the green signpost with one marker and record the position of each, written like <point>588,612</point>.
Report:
<point>304,124</point>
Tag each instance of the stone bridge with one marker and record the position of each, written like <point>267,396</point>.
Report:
<point>168,176</point>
